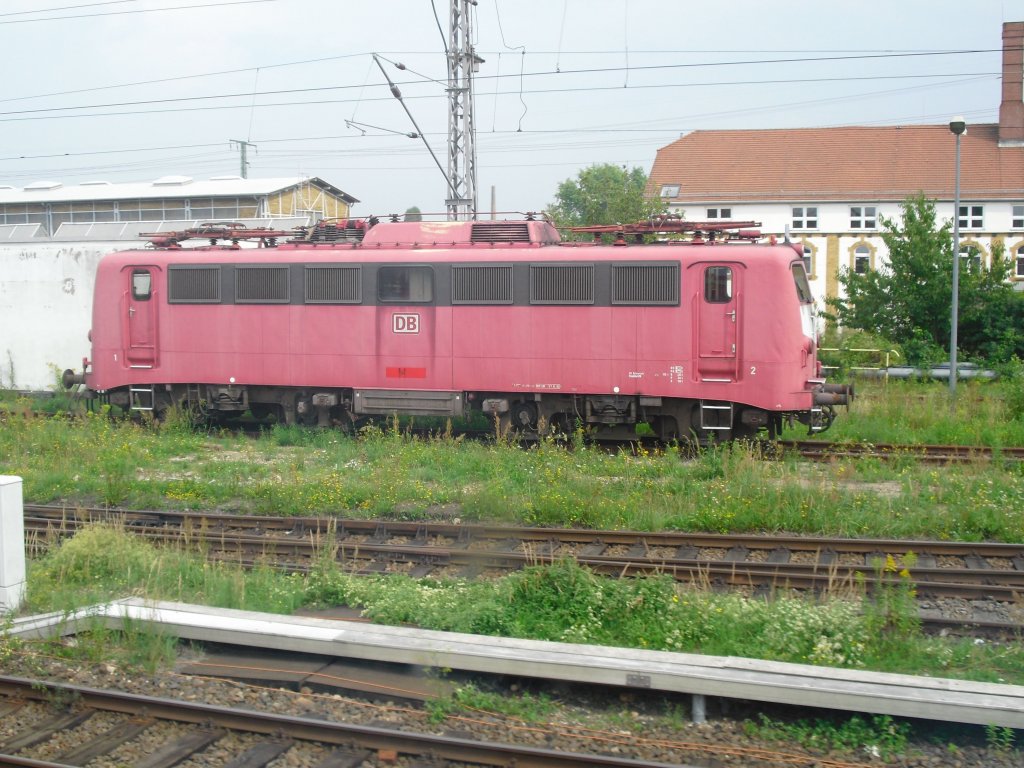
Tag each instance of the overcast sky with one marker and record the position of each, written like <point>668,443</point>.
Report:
<point>127,90</point>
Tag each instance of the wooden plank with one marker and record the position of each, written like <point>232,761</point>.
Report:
<point>40,732</point>
<point>260,755</point>
<point>105,742</point>
<point>174,752</point>
<point>345,758</point>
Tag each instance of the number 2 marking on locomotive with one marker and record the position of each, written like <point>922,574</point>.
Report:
<point>753,370</point>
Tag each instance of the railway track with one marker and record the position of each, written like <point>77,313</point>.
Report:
<point>757,564</point>
<point>53,725</point>
<point>819,450</point>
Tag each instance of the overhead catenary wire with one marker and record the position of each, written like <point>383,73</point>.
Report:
<point>398,95</point>
<point>25,115</point>
<point>540,73</point>
<point>522,64</point>
<point>65,8</point>
<point>193,7</point>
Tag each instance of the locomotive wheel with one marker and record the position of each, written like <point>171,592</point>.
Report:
<point>266,412</point>
<point>524,415</point>
<point>665,428</point>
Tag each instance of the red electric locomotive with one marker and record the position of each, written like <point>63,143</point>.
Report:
<point>710,337</point>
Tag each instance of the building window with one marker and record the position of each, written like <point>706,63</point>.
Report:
<point>805,217</point>
<point>1018,217</point>
<point>863,217</point>
<point>861,259</point>
<point>719,213</point>
<point>970,257</point>
<point>1020,262</point>
<point>669,190</point>
<point>972,216</point>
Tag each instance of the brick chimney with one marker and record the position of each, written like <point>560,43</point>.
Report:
<point>1011,110</point>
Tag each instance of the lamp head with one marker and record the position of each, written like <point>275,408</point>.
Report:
<point>958,125</point>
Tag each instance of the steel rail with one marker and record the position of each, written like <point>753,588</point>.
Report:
<point>210,522</point>
<point>679,557</point>
<point>823,450</point>
<point>305,729</point>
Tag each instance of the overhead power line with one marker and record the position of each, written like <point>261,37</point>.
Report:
<point>137,10</point>
<point>64,8</point>
<point>845,57</point>
<point>26,115</point>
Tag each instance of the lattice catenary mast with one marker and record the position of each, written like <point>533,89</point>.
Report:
<point>462,62</point>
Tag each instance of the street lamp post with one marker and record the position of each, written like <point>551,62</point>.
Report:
<point>959,127</point>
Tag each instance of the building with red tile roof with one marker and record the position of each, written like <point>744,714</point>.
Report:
<point>828,187</point>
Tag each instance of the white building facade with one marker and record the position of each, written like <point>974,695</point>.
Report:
<point>829,188</point>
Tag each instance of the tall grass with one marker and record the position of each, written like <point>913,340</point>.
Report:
<point>905,411</point>
<point>561,602</point>
<point>388,473</point>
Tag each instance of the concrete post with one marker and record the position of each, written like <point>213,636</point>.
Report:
<point>699,714</point>
<point>12,543</point>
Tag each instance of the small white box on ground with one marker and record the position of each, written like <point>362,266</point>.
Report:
<point>12,543</point>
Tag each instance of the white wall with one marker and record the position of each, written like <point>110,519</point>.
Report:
<point>46,309</point>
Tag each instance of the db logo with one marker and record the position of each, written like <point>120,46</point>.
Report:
<point>405,323</point>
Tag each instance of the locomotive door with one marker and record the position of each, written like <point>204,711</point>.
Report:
<point>407,339</point>
<point>718,320</point>
<point>140,314</point>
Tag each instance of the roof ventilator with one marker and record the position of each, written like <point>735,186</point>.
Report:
<point>500,232</point>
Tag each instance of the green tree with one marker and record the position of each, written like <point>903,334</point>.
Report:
<point>603,194</point>
<point>991,322</point>
<point>413,214</point>
<point>909,302</point>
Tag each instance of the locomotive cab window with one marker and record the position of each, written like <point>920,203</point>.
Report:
<point>718,285</point>
<point>406,285</point>
<point>142,285</point>
<point>803,288</point>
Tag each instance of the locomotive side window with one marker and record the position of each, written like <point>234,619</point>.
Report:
<point>645,284</point>
<point>193,284</point>
<point>561,283</point>
<point>334,284</point>
<point>481,284</point>
<point>718,285</point>
<point>142,285</point>
<point>261,285</point>
<point>803,288</point>
<point>406,285</point>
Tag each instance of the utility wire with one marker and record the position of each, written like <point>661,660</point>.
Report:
<point>485,77</point>
<point>26,115</point>
<point>64,8</point>
<point>139,10</point>
<point>398,95</point>
<point>444,39</point>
